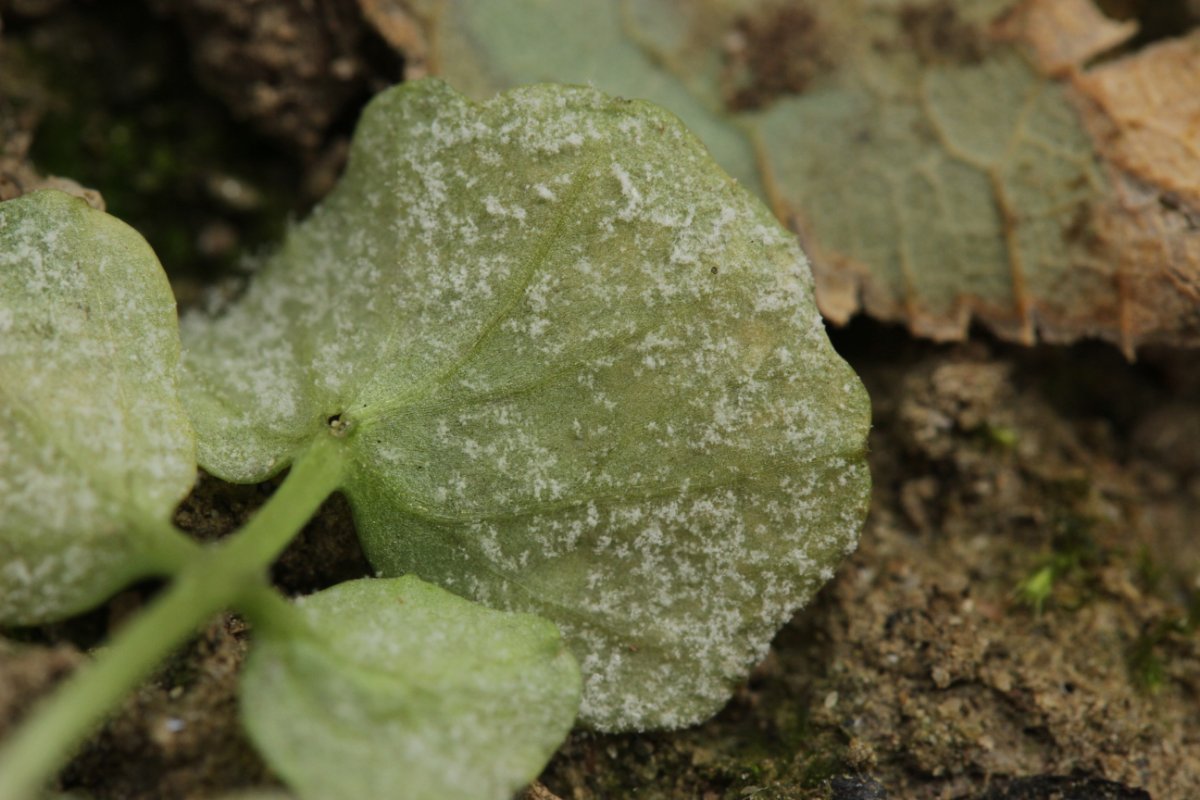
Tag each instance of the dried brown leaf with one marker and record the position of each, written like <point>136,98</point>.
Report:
<point>943,161</point>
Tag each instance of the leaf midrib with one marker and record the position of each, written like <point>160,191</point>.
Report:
<point>532,267</point>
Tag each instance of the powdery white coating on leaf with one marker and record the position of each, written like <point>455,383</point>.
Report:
<point>95,450</point>
<point>583,376</point>
<point>405,690</point>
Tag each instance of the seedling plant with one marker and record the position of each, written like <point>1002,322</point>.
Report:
<point>571,379</point>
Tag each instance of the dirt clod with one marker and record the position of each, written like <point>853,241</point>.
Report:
<point>856,788</point>
<point>291,67</point>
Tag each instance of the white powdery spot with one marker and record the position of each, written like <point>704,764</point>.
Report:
<point>498,209</point>
<point>633,197</point>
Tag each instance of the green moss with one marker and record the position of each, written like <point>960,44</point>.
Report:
<point>1002,437</point>
<point>1146,659</point>
<point>1074,556</point>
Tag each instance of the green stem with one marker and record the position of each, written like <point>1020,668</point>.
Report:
<point>314,476</point>
<point>166,550</point>
<point>272,615</point>
<point>218,577</point>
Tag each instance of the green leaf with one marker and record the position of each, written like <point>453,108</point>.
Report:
<point>402,689</point>
<point>577,370</point>
<point>95,449</point>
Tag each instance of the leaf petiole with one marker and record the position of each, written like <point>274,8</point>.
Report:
<point>315,475</point>
<point>229,574</point>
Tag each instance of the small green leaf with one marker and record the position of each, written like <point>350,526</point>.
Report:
<point>577,370</point>
<point>95,449</point>
<point>402,689</point>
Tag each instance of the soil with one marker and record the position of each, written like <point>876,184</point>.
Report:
<point>927,669</point>
<point>1019,620</point>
